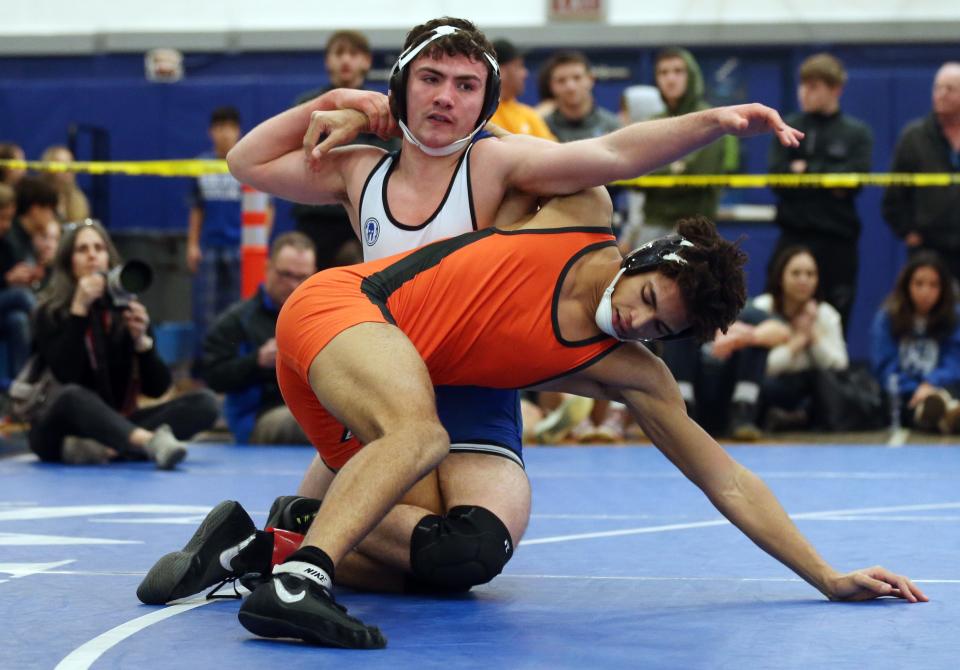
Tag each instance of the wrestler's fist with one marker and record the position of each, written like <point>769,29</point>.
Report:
<point>338,127</point>
<point>375,106</point>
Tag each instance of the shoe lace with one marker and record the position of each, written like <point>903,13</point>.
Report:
<point>249,581</point>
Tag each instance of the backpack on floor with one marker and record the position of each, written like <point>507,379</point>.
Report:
<point>849,400</point>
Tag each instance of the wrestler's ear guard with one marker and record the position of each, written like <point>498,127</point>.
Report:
<point>401,73</point>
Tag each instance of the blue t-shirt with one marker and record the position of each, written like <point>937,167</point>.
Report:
<point>220,197</point>
<point>915,358</point>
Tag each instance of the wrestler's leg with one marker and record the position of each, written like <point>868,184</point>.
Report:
<point>316,480</point>
<point>394,416</point>
<point>495,483</point>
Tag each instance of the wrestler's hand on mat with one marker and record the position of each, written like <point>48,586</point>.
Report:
<point>874,582</point>
<point>756,119</point>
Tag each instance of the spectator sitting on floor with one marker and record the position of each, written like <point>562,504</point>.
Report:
<point>19,272</point>
<point>240,350</point>
<point>104,358</point>
<point>44,242</point>
<point>720,381</point>
<point>916,336</point>
<point>810,339</point>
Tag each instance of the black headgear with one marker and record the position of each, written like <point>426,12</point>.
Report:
<point>401,73</point>
<point>653,254</point>
<point>647,258</point>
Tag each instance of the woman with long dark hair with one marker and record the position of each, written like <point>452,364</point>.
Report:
<point>104,357</point>
<point>916,337</point>
<point>812,338</point>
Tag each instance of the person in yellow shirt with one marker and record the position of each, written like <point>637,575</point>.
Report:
<point>512,115</point>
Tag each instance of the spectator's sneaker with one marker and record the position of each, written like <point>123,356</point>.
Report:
<point>779,419</point>
<point>226,545</point>
<point>296,603</point>
<point>165,449</point>
<point>558,424</point>
<point>743,422</point>
<point>606,433</point>
<point>950,423</point>
<point>928,413</point>
<point>84,451</point>
<point>293,513</point>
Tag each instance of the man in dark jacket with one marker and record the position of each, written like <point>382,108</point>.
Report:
<point>240,351</point>
<point>825,220</point>
<point>929,218</point>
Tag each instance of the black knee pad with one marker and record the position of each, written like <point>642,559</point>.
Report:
<point>467,547</point>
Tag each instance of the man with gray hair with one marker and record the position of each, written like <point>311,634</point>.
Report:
<point>929,218</point>
<point>240,351</point>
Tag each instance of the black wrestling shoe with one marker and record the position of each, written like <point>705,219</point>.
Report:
<point>293,513</point>
<point>225,546</point>
<point>296,603</point>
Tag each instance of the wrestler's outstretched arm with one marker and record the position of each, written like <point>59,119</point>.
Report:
<point>636,377</point>
<point>547,168</point>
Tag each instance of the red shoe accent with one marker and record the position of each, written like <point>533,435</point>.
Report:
<point>285,542</point>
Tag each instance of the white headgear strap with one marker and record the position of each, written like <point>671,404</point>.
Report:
<point>404,60</point>
<point>604,315</point>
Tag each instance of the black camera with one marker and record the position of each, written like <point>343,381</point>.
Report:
<point>125,281</point>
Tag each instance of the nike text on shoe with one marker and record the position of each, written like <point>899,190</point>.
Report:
<point>297,603</point>
<point>210,556</point>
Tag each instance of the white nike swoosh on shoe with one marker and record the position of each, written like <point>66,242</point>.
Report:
<point>227,555</point>
<point>285,595</point>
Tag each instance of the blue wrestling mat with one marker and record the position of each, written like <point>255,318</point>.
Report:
<point>625,565</point>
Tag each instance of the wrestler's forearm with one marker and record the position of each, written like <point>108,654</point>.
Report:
<point>750,505</point>
<point>642,147</point>
<point>623,154</point>
<point>276,137</point>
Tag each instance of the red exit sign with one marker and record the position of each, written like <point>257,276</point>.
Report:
<point>576,10</point>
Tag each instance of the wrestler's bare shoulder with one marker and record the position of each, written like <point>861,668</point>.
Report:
<point>591,208</point>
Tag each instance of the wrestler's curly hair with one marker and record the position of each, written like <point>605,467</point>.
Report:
<point>712,281</point>
<point>469,41</point>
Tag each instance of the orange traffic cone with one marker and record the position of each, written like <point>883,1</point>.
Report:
<point>253,240</point>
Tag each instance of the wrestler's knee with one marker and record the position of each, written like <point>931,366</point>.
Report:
<point>467,547</point>
<point>427,440</point>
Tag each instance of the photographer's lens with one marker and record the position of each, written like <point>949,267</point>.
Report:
<point>136,276</point>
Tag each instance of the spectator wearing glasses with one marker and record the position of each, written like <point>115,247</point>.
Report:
<point>240,350</point>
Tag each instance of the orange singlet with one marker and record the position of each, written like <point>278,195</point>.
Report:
<point>480,308</point>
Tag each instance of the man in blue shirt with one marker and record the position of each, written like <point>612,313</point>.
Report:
<point>213,236</point>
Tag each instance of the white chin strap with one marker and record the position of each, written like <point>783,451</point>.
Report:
<point>604,315</point>
<point>451,148</point>
<point>407,58</point>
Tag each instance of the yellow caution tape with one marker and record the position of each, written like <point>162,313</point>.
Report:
<point>196,167</point>
<point>838,180</point>
<point>191,167</point>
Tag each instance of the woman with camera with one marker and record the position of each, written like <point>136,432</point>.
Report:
<point>97,342</point>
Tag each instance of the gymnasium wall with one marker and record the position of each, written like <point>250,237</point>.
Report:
<point>40,97</point>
